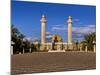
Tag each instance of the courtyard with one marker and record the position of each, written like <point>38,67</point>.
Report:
<point>37,62</point>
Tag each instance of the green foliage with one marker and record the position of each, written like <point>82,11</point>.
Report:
<point>88,40</point>
<point>33,47</point>
<point>21,43</point>
<point>17,37</point>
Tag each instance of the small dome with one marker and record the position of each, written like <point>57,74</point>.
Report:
<point>43,16</point>
<point>69,17</point>
<point>57,37</point>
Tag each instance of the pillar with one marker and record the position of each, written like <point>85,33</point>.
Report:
<point>23,50</point>
<point>30,50</point>
<point>94,48</point>
<point>80,49</point>
<point>51,46</point>
<point>43,33</point>
<point>12,44</point>
<point>69,30</point>
<point>11,50</point>
<point>85,48</point>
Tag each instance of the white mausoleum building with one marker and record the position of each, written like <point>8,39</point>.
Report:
<point>56,43</point>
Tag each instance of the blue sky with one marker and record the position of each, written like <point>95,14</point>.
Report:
<point>26,17</point>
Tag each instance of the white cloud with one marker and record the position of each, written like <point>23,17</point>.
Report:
<point>34,39</point>
<point>27,38</point>
<point>92,26</point>
<point>49,36</point>
<point>80,30</point>
<point>59,28</point>
<point>58,25</point>
<point>48,33</point>
<point>84,30</point>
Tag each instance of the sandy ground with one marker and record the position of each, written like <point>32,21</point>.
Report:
<point>49,62</point>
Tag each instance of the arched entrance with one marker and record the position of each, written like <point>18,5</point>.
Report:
<point>56,39</point>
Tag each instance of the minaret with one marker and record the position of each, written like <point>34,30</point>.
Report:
<point>43,33</point>
<point>69,30</point>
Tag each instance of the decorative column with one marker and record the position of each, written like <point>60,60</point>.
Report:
<point>86,49</point>
<point>43,33</point>
<point>23,50</point>
<point>30,50</point>
<point>80,47</point>
<point>51,46</point>
<point>12,44</point>
<point>94,48</point>
<point>11,50</point>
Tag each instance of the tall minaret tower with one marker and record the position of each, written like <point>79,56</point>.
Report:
<point>69,30</point>
<point>43,33</point>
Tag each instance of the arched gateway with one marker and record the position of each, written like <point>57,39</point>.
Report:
<point>55,40</point>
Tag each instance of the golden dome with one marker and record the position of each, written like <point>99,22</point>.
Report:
<point>57,37</point>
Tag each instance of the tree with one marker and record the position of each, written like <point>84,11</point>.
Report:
<point>88,40</point>
<point>33,47</point>
<point>21,42</point>
<point>27,45</point>
<point>17,38</point>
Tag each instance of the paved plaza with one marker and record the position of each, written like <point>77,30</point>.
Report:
<point>37,62</point>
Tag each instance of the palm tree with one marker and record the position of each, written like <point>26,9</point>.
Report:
<point>17,38</point>
<point>88,40</point>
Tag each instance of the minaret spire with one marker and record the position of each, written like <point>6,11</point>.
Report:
<point>69,30</point>
<point>43,24</point>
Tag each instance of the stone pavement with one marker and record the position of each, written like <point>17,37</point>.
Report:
<point>52,61</point>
